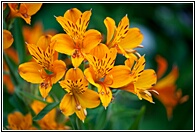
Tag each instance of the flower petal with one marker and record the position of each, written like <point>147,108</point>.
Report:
<point>111,27</point>
<point>63,44</point>
<point>33,8</point>
<point>44,41</point>
<point>133,38</point>
<point>73,14</point>
<point>105,95</point>
<point>30,72</point>
<point>7,39</point>
<point>146,80</point>
<point>59,68</point>
<point>99,51</point>
<point>74,74</point>
<point>162,66</point>
<point>81,114</point>
<point>89,99</point>
<point>44,91</point>
<point>91,39</point>
<point>67,105</point>
<point>121,76</point>
<point>90,76</point>
<point>76,61</point>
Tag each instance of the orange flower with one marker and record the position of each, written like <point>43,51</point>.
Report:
<point>18,121</point>
<point>24,10</point>
<point>48,122</point>
<point>7,39</point>
<point>47,70</point>
<point>78,96</point>
<point>134,78</point>
<point>166,87</point>
<point>101,61</point>
<point>125,39</point>
<point>77,42</point>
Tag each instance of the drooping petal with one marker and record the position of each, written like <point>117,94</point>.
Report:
<point>162,66</point>
<point>44,89</point>
<point>81,114</point>
<point>59,68</point>
<point>31,72</point>
<point>111,27</point>
<point>76,61</point>
<point>73,14</point>
<point>133,38</point>
<point>7,39</point>
<point>67,105</point>
<point>89,99</point>
<point>91,39</point>
<point>105,95</point>
<point>146,80</point>
<point>63,44</point>
<point>121,76</point>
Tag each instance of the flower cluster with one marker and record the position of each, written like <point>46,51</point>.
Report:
<point>86,47</point>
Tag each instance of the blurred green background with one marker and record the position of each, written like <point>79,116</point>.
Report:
<point>168,31</point>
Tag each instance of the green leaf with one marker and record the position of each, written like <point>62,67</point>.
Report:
<point>135,125</point>
<point>45,110</point>
<point>19,39</point>
<point>101,120</point>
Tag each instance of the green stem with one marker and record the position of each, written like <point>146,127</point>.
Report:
<point>78,123</point>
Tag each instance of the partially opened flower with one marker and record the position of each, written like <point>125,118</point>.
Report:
<point>77,42</point>
<point>78,96</point>
<point>134,78</point>
<point>7,39</point>
<point>48,122</point>
<point>166,87</point>
<point>23,10</point>
<point>47,69</point>
<point>101,61</point>
<point>18,121</point>
<point>123,38</point>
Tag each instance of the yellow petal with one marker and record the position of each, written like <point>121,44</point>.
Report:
<point>59,68</point>
<point>76,61</point>
<point>44,42</point>
<point>146,80</point>
<point>133,38</point>
<point>63,44</point>
<point>162,66</point>
<point>44,91</point>
<point>99,51</point>
<point>170,79</point>
<point>89,99</point>
<point>31,72</point>
<point>90,76</point>
<point>74,74</point>
<point>129,62</point>
<point>121,76</point>
<point>67,105</point>
<point>73,14</point>
<point>81,114</point>
<point>111,27</point>
<point>7,39</point>
<point>105,95</point>
<point>33,8</point>
<point>91,39</point>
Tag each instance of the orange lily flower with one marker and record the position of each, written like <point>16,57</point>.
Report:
<point>7,39</point>
<point>48,122</point>
<point>47,69</point>
<point>168,95</point>
<point>18,121</point>
<point>101,61</point>
<point>134,78</point>
<point>78,96</point>
<point>77,42</point>
<point>125,39</point>
<point>23,10</point>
